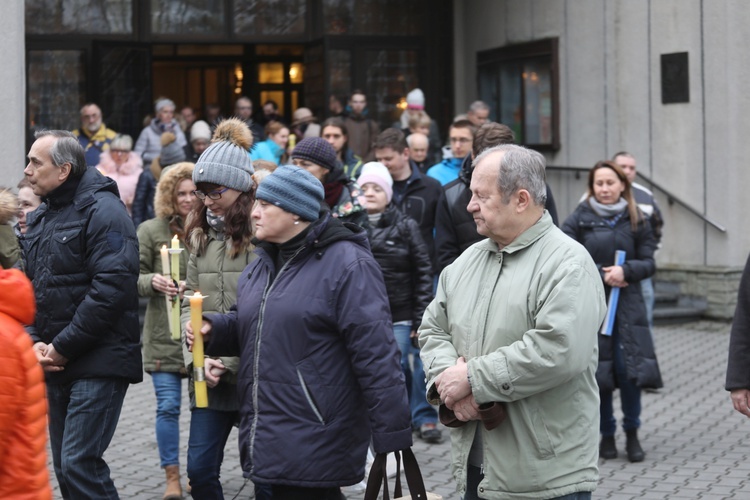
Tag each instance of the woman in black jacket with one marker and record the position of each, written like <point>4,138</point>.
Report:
<point>607,221</point>
<point>398,248</point>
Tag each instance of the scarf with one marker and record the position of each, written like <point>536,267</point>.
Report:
<point>217,223</point>
<point>612,210</point>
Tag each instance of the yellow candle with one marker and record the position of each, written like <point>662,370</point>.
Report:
<point>174,252</point>
<point>292,142</point>
<point>165,272</point>
<point>199,375</point>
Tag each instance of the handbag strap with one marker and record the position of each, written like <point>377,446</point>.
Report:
<point>378,474</point>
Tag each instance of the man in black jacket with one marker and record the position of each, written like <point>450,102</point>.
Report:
<point>455,229</point>
<point>414,193</point>
<point>81,254</point>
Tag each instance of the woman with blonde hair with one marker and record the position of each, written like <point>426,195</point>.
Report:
<point>124,166</point>
<point>607,221</point>
<point>162,356</point>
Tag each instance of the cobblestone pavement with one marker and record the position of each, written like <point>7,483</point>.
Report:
<point>694,441</point>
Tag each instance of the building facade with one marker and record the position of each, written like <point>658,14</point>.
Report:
<point>664,80</point>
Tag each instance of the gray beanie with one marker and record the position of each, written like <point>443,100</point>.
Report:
<point>226,161</point>
<point>294,190</point>
<point>171,152</point>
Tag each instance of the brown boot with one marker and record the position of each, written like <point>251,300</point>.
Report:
<point>174,490</point>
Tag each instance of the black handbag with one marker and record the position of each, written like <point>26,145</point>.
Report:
<point>378,476</point>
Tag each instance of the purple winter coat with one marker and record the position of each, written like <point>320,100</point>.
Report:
<point>319,368</point>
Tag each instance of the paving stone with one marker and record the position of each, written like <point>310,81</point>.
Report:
<point>695,445</point>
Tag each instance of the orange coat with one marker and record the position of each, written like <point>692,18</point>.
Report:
<point>23,405</point>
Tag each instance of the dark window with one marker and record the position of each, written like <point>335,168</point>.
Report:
<point>172,17</point>
<point>100,17</point>
<point>390,75</point>
<point>374,17</point>
<point>520,84</point>
<point>56,86</point>
<point>269,17</point>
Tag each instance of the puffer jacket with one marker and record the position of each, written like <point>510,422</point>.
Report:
<point>81,254</point>
<point>126,176</point>
<point>9,249</point>
<point>319,367</point>
<point>214,273</point>
<point>160,352</point>
<point>602,240</point>
<point>402,256</point>
<point>149,144</point>
<point>23,406</point>
<point>525,318</point>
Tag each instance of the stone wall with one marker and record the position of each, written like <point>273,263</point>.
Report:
<point>718,285</point>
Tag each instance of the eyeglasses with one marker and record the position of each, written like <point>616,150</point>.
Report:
<point>213,195</point>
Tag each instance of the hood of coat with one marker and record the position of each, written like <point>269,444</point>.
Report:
<point>133,165</point>
<point>164,201</point>
<point>16,296</point>
<point>8,206</point>
<point>324,232</point>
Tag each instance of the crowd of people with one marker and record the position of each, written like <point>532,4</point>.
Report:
<point>360,286</point>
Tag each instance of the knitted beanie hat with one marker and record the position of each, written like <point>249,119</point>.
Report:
<point>377,173</point>
<point>294,190</point>
<point>415,99</point>
<point>171,152</point>
<point>316,150</point>
<point>226,161</point>
<point>200,130</point>
<point>163,103</point>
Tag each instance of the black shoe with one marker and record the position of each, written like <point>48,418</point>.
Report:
<point>430,433</point>
<point>607,448</point>
<point>633,447</point>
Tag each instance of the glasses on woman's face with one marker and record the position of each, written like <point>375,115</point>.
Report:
<point>213,195</point>
<point>119,151</point>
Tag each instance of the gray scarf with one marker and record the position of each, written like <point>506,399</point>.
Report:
<point>608,210</point>
<point>216,222</point>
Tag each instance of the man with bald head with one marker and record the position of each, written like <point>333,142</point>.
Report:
<point>419,147</point>
<point>512,335</point>
<point>93,136</point>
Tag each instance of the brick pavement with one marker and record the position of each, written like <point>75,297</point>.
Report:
<point>694,441</point>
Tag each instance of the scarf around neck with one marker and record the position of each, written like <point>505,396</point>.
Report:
<point>603,210</point>
<point>216,222</point>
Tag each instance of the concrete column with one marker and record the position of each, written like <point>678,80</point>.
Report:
<point>13,94</point>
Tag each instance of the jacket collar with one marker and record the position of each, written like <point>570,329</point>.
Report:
<point>525,239</point>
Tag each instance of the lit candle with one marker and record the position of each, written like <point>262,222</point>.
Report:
<point>174,252</point>
<point>199,374</point>
<point>165,272</point>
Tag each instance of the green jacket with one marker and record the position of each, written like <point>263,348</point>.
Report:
<point>526,319</point>
<point>215,274</point>
<point>160,352</point>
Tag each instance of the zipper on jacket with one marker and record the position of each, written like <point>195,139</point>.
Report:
<point>309,398</point>
<point>269,286</point>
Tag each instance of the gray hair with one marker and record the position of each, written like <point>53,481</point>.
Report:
<point>478,106</point>
<point>66,149</point>
<point>164,103</point>
<point>123,142</point>
<point>519,168</point>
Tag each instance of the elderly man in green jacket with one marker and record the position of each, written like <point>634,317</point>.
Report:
<point>513,329</point>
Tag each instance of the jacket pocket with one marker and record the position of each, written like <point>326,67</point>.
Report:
<point>66,250</point>
<point>309,397</point>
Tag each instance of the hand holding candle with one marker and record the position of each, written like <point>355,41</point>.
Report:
<point>199,377</point>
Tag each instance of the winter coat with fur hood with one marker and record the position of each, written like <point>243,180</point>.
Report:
<point>23,406</point>
<point>320,371</point>
<point>214,268</point>
<point>160,352</point>
<point>126,175</point>
<point>9,250</point>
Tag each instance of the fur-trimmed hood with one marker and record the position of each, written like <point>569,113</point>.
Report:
<point>8,205</point>
<point>164,205</point>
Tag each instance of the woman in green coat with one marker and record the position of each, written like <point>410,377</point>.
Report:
<point>219,233</point>
<point>162,356</point>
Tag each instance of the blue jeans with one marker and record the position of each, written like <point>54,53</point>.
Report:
<point>475,476</point>
<point>630,396</point>
<point>83,415</point>
<point>421,411</point>
<point>168,389</point>
<point>209,430</point>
